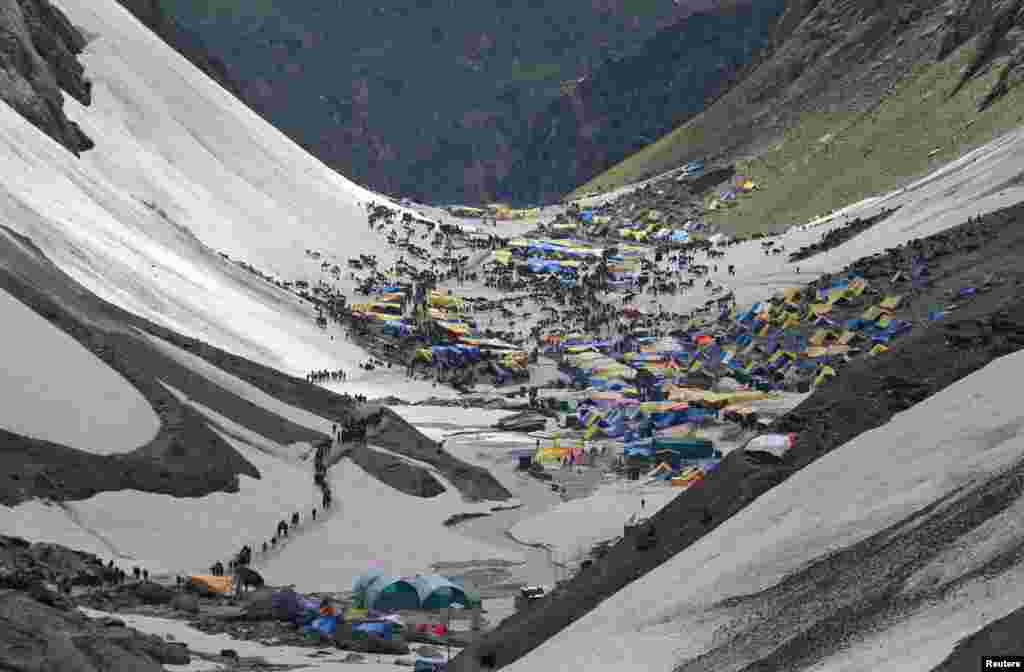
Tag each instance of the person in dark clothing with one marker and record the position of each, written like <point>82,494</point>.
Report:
<point>295,519</point>
<point>273,542</point>
<point>264,547</point>
<point>314,514</point>
<point>136,572</point>
<point>145,575</point>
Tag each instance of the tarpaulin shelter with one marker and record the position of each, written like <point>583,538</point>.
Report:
<point>222,585</point>
<point>773,444</point>
<point>387,593</point>
<point>438,592</point>
<point>382,629</point>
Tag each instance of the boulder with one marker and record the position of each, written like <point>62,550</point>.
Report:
<point>259,605</point>
<point>39,637</point>
<point>186,602</point>
<point>151,593</point>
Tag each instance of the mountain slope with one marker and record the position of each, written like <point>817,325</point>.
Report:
<point>483,79</point>
<point>629,102</point>
<point>38,58</point>
<point>862,95</point>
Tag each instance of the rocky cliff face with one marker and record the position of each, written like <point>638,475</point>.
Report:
<point>43,631</point>
<point>631,102</point>
<point>38,58</point>
<point>849,55</point>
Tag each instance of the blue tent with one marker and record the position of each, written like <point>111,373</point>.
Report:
<point>382,629</point>
<point>386,593</point>
<point>437,592</point>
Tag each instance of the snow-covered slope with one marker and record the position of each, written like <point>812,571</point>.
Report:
<point>69,396</point>
<point>180,172</point>
<point>940,450</point>
<point>572,528</point>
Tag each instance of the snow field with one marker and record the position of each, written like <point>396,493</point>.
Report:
<point>56,390</point>
<point>373,525</point>
<point>571,528</point>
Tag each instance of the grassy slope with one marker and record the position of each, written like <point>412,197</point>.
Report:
<point>803,176</point>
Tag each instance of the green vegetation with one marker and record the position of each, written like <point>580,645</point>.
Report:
<point>833,159</point>
<point>211,9</point>
<point>642,8</point>
<point>535,72</point>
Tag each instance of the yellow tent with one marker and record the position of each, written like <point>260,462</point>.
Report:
<point>792,321</point>
<point>550,455</point>
<point>503,257</point>
<point>821,336</point>
<point>847,337</point>
<point>822,351</point>
<point>792,295</point>
<point>878,349</point>
<point>891,302</point>
<point>223,585</point>
<point>872,314</point>
<point>826,373</point>
<point>353,614</point>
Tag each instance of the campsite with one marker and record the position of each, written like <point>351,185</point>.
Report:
<point>259,417</point>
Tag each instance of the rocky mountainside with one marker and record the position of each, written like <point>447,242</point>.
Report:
<point>39,49</point>
<point>849,56</point>
<point>628,103</point>
<point>38,59</point>
<point>42,629</point>
<point>488,84</point>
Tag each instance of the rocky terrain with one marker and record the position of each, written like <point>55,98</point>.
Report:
<point>630,102</point>
<point>826,80</point>
<point>983,324</point>
<point>42,630</point>
<point>39,51</point>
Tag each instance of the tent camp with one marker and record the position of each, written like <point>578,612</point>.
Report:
<point>387,593</point>
<point>437,592</point>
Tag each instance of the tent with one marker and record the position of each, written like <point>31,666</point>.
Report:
<point>386,593</point>
<point>382,629</point>
<point>776,445</point>
<point>222,585</point>
<point>437,592</point>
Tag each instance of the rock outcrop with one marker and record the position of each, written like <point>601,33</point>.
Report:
<point>38,58</point>
<point>42,630</point>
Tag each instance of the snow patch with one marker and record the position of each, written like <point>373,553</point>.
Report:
<point>55,390</point>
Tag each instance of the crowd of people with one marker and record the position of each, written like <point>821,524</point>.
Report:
<point>322,376</point>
